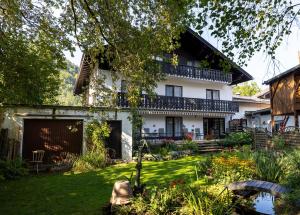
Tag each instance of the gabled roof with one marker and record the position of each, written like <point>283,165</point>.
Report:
<point>189,38</point>
<point>239,75</point>
<point>284,74</point>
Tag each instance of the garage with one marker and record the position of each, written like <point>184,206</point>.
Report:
<point>55,136</point>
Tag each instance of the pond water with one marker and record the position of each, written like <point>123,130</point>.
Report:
<point>258,203</point>
<point>264,203</point>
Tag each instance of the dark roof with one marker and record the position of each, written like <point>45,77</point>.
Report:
<point>189,39</point>
<point>284,74</point>
<point>261,111</point>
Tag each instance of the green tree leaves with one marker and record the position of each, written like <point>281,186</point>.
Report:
<point>247,89</point>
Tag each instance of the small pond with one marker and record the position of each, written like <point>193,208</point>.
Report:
<point>260,203</point>
<point>264,203</point>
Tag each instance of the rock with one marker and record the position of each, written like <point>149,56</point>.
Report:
<point>122,193</point>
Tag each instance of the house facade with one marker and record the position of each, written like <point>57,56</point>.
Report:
<point>191,100</point>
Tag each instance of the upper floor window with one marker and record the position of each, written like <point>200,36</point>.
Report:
<point>172,90</point>
<point>213,94</point>
<point>123,86</point>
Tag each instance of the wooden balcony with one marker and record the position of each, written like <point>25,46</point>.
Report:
<point>181,104</point>
<point>196,73</point>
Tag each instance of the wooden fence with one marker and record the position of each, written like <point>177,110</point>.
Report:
<point>263,138</point>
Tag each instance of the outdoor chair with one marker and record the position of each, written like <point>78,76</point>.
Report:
<point>37,158</point>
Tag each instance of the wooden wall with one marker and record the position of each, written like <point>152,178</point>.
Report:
<point>283,92</point>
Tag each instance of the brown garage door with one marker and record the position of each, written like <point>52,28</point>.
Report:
<point>53,136</point>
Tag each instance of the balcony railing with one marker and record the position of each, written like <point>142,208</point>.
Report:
<point>181,103</point>
<point>196,72</point>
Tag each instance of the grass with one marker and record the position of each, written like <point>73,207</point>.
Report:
<point>84,193</point>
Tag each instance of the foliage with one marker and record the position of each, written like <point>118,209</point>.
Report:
<point>67,83</point>
<point>247,89</point>
<point>210,201</point>
<point>12,169</point>
<point>269,165</point>
<point>278,142</point>
<point>232,168</point>
<point>179,199</point>
<point>237,139</point>
<point>204,167</point>
<point>128,34</point>
<point>190,145</point>
<point>96,155</point>
<point>31,51</point>
<point>245,27</point>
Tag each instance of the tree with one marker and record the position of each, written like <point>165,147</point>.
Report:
<point>247,89</point>
<point>130,33</point>
<point>31,52</point>
<point>67,82</point>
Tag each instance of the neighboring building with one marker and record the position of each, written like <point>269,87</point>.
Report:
<point>249,103</point>
<point>285,98</point>
<point>259,118</point>
<point>192,99</point>
<point>246,104</point>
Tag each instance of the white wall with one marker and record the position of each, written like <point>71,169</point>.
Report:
<point>154,122</point>
<point>14,120</point>
<point>190,88</point>
<point>195,88</point>
<point>247,106</point>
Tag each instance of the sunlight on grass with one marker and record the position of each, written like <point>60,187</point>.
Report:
<point>85,192</point>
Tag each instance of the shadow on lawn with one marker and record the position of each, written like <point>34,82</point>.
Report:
<point>83,193</point>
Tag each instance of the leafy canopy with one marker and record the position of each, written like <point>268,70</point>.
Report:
<point>127,34</point>
<point>247,89</point>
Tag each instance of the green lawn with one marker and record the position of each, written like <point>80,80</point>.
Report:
<point>83,193</point>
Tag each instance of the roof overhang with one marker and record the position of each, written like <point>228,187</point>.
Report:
<point>282,75</point>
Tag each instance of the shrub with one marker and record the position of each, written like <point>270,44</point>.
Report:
<point>89,161</point>
<point>278,142</point>
<point>270,166</point>
<point>237,139</point>
<point>190,145</point>
<point>96,155</point>
<point>232,169</point>
<point>179,199</point>
<point>13,169</point>
<point>204,167</point>
<point>210,201</point>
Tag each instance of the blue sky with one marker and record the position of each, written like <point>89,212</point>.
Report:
<point>287,54</point>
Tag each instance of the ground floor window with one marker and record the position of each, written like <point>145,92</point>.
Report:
<point>174,126</point>
<point>214,127</point>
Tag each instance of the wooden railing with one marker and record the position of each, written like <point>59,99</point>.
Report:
<point>195,72</point>
<point>181,103</point>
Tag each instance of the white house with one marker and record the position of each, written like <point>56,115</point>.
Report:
<point>191,100</point>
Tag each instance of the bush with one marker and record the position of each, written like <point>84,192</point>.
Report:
<point>270,166</point>
<point>232,169</point>
<point>12,169</point>
<point>179,199</point>
<point>96,155</point>
<point>190,145</point>
<point>278,142</point>
<point>89,161</point>
<point>237,139</point>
